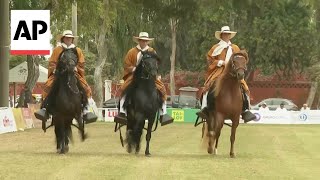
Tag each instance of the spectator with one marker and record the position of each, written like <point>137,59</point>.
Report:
<point>281,108</point>
<point>305,107</point>
<point>264,107</point>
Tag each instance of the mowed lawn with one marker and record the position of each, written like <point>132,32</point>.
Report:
<point>262,152</point>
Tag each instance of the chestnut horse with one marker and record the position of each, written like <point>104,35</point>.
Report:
<point>226,101</point>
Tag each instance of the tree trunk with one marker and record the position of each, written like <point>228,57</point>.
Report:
<point>102,57</point>
<point>33,75</point>
<point>312,93</point>
<point>173,25</point>
<point>74,21</point>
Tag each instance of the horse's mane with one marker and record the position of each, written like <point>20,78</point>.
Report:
<point>227,70</point>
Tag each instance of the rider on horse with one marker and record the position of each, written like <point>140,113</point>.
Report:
<point>132,60</point>
<point>217,58</point>
<point>66,42</point>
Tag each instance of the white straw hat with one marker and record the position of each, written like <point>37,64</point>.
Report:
<point>142,36</point>
<point>224,29</point>
<point>66,33</point>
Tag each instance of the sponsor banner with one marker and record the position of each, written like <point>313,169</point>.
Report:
<point>20,123</point>
<point>27,116</point>
<point>287,117</point>
<point>7,122</point>
<point>107,114</point>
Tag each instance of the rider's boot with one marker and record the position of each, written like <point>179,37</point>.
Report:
<point>121,117</point>
<point>246,114</point>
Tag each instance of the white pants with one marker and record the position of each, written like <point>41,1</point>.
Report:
<point>162,110</point>
<point>204,100</point>
<point>92,104</point>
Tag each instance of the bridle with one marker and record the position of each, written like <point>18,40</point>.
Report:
<point>235,68</point>
<point>146,68</point>
<point>64,69</point>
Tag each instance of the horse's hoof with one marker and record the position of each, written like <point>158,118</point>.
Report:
<point>129,149</point>
<point>85,136</point>
<point>148,154</point>
<point>215,152</point>
<point>66,149</point>
<point>62,153</point>
<point>210,150</point>
<point>232,155</point>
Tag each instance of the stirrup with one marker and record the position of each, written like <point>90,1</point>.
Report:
<point>121,119</point>
<point>166,119</point>
<point>90,118</point>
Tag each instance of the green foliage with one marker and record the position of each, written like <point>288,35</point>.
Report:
<point>16,60</point>
<point>90,59</point>
<point>280,35</point>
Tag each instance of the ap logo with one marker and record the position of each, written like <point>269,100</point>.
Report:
<point>30,32</point>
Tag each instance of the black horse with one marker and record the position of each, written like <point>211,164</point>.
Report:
<point>65,100</point>
<point>143,101</point>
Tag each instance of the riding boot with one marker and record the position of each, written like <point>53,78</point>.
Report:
<point>42,114</point>
<point>89,117</point>
<point>204,113</point>
<point>121,117</point>
<point>165,119</point>
<point>246,114</point>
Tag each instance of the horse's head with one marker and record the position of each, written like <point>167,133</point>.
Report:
<point>67,61</point>
<point>148,66</point>
<point>238,63</point>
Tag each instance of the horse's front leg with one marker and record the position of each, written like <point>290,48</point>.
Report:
<point>219,125</point>
<point>235,123</point>
<point>210,134</point>
<point>148,136</point>
<point>58,139</point>
<point>68,134</point>
<point>62,133</point>
<point>79,119</point>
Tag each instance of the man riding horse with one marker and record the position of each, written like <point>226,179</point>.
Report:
<point>66,42</point>
<point>132,60</point>
<point>217,58</point>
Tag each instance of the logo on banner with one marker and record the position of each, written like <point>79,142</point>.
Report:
<point>6,121</point>
<point>303,117</point>
<point>30,32</point>
<point>178,115</point>
<point>258,116</point>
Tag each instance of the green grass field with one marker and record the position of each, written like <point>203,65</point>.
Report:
<point>262,152</point>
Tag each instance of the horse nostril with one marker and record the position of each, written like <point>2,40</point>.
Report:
<point>240,75</point>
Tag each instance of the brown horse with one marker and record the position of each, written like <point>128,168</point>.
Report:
<point>226,101</point>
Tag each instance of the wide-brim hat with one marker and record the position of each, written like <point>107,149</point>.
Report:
<point>142,36</point>
<point>66,33</point>
<point>224,29</point>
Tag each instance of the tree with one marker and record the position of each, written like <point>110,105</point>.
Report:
<point>33,75</point>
